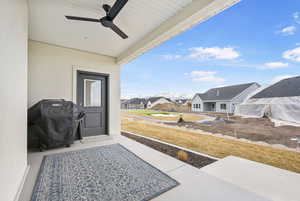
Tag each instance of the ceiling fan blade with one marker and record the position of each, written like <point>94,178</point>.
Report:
<point>106,7</point>
<point>118,31</point>
<point>117,7</point>
<point>82,19</point>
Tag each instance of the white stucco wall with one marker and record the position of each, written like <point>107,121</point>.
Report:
<point>13,96</point>
<point>52,75</point>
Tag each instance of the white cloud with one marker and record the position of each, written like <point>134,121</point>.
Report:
<point>281,77</point>
<point>172,56</point>
<point>293,54</point>
<point>288,31</point>
<point>274,65</point>
<point>296,17</point>
<point>204,76</point>
<point>207,53</point>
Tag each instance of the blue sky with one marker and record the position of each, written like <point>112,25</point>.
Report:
<point>253,41</point>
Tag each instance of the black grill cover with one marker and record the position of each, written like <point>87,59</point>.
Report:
<point>53,123</point>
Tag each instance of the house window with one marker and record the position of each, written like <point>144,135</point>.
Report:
<point>199,106</point>
<point>223,106</point>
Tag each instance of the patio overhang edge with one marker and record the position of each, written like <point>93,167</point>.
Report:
<point>193,14</point>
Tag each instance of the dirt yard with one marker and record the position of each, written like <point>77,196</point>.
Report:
<point>165,116</point>
<point>214,146</point>
<point>249,128</point>
<point>172,107</point>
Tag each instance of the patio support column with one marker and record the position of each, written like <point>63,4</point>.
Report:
<point>13,97</point>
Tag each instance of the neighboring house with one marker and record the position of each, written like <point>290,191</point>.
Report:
<point>134,103</point>
<point>151,102</point>
<point>280,101</point>
<point>222,99</point>
<point>143,103</point>
<point>122,102</point>
<point>182,101</point>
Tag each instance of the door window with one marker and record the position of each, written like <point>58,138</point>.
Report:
<point>92,93</point>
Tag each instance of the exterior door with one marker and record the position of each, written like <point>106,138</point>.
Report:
<point>213,107</point>
<point>92,98</point>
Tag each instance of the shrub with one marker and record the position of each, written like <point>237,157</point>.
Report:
<point>182,155</point>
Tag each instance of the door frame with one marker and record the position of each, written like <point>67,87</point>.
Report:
<point>76,73</point>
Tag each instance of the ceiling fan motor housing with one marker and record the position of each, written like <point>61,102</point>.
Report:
<point>106,22</point>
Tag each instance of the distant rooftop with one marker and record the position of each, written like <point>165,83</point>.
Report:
<point>145,100</point>
<point>225,93</point>
<point>153,99</point>
<point>136,101</point>
<point>284,88</point>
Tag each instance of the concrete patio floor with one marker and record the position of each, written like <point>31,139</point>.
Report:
<point>195,184</point>
<point>267,181</point>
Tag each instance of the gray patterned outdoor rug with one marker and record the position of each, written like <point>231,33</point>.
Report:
<point>102,173</point>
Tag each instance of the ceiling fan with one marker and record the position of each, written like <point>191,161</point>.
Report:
<point>107,21</point>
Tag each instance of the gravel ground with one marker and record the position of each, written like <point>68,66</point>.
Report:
<point>193,159</point>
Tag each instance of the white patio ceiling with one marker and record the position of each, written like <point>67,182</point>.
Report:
<point>146,22</point>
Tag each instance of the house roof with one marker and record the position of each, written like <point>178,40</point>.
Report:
<point>284,88</point>
<point>147,23</point>
<point>224,93</point>
<point>136,101</point>
<point>153,99</point>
